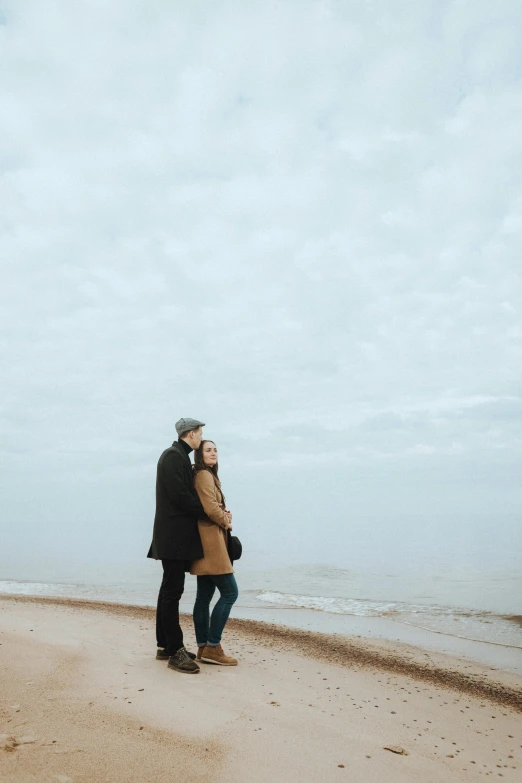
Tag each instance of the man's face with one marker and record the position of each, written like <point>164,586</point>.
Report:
<point>195,438</point>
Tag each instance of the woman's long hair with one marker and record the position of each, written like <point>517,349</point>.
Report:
<point>199,464</point>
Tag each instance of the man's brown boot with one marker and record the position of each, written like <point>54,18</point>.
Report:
<point>216,655</point>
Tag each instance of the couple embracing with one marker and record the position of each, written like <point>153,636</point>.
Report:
<point>191,530</point>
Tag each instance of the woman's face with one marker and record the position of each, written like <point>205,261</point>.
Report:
<point>210,454</point>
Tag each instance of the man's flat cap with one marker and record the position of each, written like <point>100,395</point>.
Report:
<point>186,425</point>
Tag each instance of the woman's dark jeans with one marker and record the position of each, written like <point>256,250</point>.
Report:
<point>210,628</point>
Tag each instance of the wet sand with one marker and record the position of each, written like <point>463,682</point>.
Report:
<point>83,699</point>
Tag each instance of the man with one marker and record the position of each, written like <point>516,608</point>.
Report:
<point>176,540</point>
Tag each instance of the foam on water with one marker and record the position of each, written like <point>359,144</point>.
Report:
<point>354,606</point>
<point>33,588</point>
<point>115,592</point>
<point>452,621</point>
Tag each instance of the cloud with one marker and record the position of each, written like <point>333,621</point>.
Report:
<point>298,221</point>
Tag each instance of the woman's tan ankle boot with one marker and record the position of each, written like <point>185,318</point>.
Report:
<point>217,655</point>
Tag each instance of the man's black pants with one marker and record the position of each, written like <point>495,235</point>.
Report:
<point>168,631</point>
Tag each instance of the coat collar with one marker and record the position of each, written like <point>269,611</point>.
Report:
<point>184,445</point>
<point>182,448</point>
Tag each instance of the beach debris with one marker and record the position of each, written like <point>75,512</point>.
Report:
<point>274,703</point>
<point>25,739</point>
<point>10,742</point>
<point>396,749</point>
<point>7,742</point>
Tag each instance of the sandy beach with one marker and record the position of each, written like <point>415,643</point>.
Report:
<point>82,698</point>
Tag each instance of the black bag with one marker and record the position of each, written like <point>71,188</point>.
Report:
<point>234,548</point>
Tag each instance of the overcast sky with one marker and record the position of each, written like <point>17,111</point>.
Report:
<point>298,221</point>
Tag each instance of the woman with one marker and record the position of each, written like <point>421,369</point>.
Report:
<point>214,569</point>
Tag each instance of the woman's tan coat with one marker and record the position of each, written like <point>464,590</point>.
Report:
<point>213,534</point>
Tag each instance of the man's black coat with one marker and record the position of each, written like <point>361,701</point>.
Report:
<point>178,508</point>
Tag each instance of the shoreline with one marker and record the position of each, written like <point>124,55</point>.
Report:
<point>439,669</point>
<point>496,642</point>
